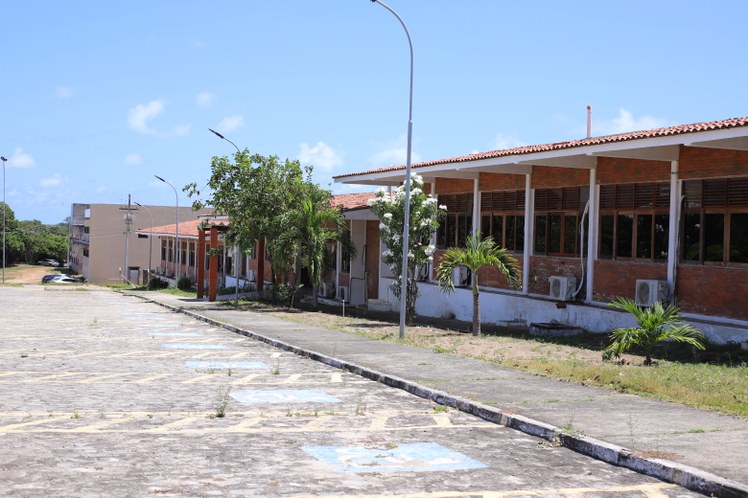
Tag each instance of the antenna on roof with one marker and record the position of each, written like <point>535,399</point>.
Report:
<point>589,121</point>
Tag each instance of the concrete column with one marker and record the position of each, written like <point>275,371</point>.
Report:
<point>213,266</point>
<point>529,231</point>
<point>592,235</point>
<point>200,264</point>
<point>476,205</point>
<point>674,226</point>
<point>339,267</point>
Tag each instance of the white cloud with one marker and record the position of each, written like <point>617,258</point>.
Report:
<point>141,114</point>
<point>64,92</point>
<point>503,141</point>
<point>51,181</point>
<point>394,153</point>
<point>625,122</point>
<point>133,159</point>
<point>20,159</point>
<point>231,123</point>
<point>205,100</point>
<point>320,155</point>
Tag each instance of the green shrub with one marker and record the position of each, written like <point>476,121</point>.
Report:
<point>156,283</point>
<point>184,283</point>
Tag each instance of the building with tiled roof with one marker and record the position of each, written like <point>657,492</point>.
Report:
<point>657,214</point>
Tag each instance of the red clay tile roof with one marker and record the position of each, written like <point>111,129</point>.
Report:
<point>186,228</point>
<point>528,149</point>
<point>348,202</point>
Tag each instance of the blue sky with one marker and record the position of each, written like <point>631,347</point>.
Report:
<point>97,97</point>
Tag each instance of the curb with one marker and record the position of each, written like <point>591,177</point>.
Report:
<point>673,472</point>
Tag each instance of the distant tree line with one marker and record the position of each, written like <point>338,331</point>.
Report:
<point>31,241</point>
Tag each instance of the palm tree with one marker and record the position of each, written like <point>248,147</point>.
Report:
<point>476,254</point>
<point>656,323</point>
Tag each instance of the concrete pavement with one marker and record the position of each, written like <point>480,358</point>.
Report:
<point>698,449</point>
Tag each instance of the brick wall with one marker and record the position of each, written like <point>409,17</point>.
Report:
<point>696,162</point>
<point>495,181</point>
<point>612,170</point>
<point>544,267</point>
<point>618,278</point>
<point>454,186</point>
<point>713,290</point>
<point>546,177</point>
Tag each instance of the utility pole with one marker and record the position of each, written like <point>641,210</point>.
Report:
<point>128,223</point>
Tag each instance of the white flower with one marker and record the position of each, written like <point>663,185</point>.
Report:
<point>387,216</point>
<point>430,249</point>
<point>416,191</point>
<point>443,207</point>
<point>382,226</point>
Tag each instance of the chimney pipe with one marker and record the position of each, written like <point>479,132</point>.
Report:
<point>589,121</point>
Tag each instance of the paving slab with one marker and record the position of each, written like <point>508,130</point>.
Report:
<point>704,446</point>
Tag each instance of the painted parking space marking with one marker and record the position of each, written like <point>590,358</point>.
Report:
<point>199,422</point>
<point>283,396</point>
<point>654,490</point>
<point>176,345</point>
<point>175,334</point>
<point>413,457</point>
<point>225,365</point>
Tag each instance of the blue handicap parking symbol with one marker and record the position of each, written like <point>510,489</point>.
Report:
<point>283,396</point>
<point>416,457</point>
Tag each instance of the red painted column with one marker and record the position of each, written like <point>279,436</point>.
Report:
<point>260,265</point>
<point>200,263</point>
<point>213,270</point>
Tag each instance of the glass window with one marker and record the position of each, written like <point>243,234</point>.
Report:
<point>571,235</point>
<point>485,226</point>
<point>644,236</point>
<point>554,233</point>
<point>661,236</point>
<point>739,237</point>
<point>625,235</point>
<point>540,234</point>
<point>607,227</point>
<point>497,230</point>
<point>692,237</point>
<point>714,232</point>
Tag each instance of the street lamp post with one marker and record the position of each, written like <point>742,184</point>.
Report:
<point>5,210</point>
<point>177,250</point>
<point>150,239</point>
<point>406,218</point>
<point>236,248</point>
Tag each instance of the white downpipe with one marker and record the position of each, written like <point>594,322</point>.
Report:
<point>529,225</point>
<point>593,231</point>
<point>433,235</point>
<point>339,265</point>
<point>674,225</point>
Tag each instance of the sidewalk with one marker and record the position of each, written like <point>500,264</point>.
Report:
<point>700,450</point>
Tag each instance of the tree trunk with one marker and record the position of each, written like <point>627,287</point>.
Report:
<point>476,307</point>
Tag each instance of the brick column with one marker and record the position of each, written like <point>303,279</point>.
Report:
<point>213,270</point>
<point>200,263</point>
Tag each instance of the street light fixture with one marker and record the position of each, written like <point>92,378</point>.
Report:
<point>5,210</point>
<point>150,239</point>
<point>406,218</point>
<point>236,249</point>
<point>177,250</point>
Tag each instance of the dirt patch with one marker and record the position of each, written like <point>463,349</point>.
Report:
<point>27,274</point>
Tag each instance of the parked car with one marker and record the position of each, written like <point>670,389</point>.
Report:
<point>48,262</point>
<point>62,279</point>
<point>47,278</point>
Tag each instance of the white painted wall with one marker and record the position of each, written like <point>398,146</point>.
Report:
<point>512,308</point>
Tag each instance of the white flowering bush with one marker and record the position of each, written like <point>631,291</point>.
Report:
<point>425,217</point>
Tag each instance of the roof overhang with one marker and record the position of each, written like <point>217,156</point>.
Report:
<point>660,148</point>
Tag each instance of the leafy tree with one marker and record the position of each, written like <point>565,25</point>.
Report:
<point>477,254</point>
<point>656,323</point>
<point>306,230</point>
<point>425,216</point>
<point>254,191</point>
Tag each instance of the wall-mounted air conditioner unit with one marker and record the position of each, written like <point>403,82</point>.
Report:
<point>422,272</point>
<point>649,292</point>
<point>327,289</point>
<point>344,296</point>
<point>562,287</point>
<point>461,276</point>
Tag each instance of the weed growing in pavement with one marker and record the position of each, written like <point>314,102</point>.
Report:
<point>360,408</point>
<point>222,401</point>
<point>102,414</point>
<point>229,372</point>
<point>24,355</point>
<point>441,409</point>
<point>75,414</point>
<point>277,369</point>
